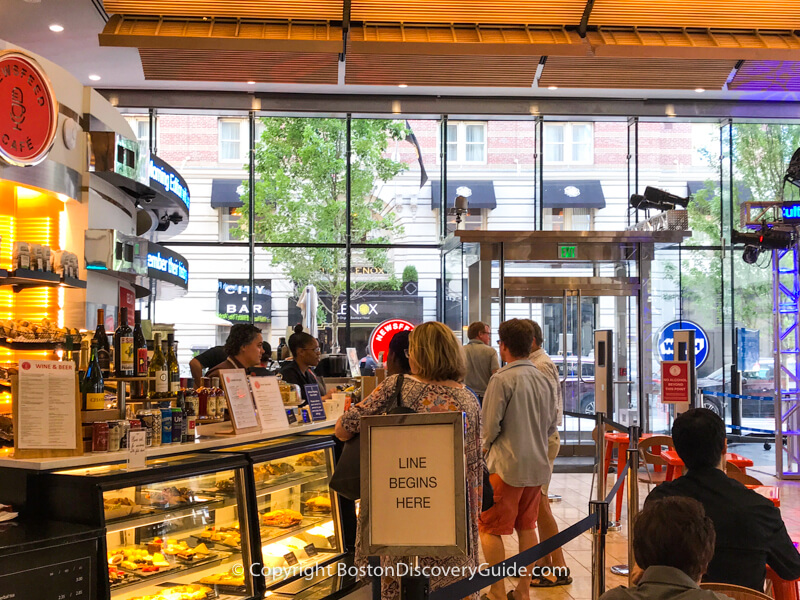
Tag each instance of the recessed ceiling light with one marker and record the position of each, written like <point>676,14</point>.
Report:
<point>94,77</point>
<point>251,83</point>
<point>403,85</point>
<point>699,90</point>
<point>552,87</point>
<point>56,28</point>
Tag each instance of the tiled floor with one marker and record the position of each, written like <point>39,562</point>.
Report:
<point>575,490</point>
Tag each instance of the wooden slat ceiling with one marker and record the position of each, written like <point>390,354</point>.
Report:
<point>518,12</point>
<point>256,9</point>
<point>767,76</point>
<point>437,70</point>
<point>635,73</point>
<point>221,34</point>
<point>650,42</point>
<point>738,14</point>
<point>391,38</point>
<point>243,66</point>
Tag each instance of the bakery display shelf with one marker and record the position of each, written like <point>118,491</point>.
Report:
<point>224,591</point>
<point>164,578</point>
<point>25,278</point>
<point>159,515</point>
<point>304,478</point>
<point>32,345</point>
<point>217,544</point>
<point>273,535</point>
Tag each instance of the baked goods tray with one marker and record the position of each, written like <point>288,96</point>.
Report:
<point>182,565</point>
<point>221,588</point>
<point>216,543</point>
<point>273,534</point>
<point>148,515</point>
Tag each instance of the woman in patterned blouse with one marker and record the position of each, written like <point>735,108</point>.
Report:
<point>437,369</point>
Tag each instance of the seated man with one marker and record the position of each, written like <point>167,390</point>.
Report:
<point>749,528</point>
<point>673,540</point>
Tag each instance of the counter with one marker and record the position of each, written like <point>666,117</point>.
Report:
<point>213,438</point>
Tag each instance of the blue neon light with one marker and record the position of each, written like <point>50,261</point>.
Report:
<point>168,265</point>
<point>790,212</point>
<point>170,181</point>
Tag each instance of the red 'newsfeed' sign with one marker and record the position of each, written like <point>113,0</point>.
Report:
<point>383,334</point>
<point>28,110</point>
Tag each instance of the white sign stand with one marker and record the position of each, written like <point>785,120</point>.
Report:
<point>240,401</point>
<point>137,449</point>
<point>414,484</point>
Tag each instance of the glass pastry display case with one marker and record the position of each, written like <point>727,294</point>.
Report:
<point>298,516</point>
<point>178,530</point>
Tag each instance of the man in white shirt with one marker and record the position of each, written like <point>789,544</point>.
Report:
<point>546,522</point>
<point>518,416</point>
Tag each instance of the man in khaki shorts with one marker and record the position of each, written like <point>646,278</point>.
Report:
<point>546,523</point>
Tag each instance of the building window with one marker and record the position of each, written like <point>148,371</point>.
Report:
<point>232,140</point>
<point>141,127</point>
<point>466,142</point>
<point>228,223</point>
<point>568,219</point>
<point>569,143</point>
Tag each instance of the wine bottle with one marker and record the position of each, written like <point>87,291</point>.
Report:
<point>139,347</point>
<point>103,349</point>
<point>123,347</point>
<point>158,370</point>
<point>92,392</point>
<point>172,365</point>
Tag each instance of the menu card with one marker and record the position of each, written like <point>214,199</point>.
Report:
<point>315,402</point>
<point>240,400</point>
<point>47,412</point>
<point>269,403</point>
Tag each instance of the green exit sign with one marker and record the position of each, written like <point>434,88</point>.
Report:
<point>567,252</point>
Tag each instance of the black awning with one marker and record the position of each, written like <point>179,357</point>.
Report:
<point>574,194</point>
<point>479,193</point>
<point>225,194</point>
<point>745,195</point>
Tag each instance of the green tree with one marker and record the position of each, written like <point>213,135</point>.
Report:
<point>300,198</point>
<point>761,154</point>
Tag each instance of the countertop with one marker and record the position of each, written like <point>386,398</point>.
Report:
<point>219,435</point>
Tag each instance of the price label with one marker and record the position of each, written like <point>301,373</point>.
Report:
<point>137,447</point>
<point>332,541</point>
<point>311,550</point>
<point>291,558</point>
<point>291,416</point>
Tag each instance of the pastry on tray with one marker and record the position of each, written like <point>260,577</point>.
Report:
<point>192,591</point>
<point>226,486</point>
<point>229,536</point>
<point>283,517</point>
<point>138,560</point>
<point>319,504</point>
<point>229,578</point>
<point>115,508</point>
<point>311,459</point>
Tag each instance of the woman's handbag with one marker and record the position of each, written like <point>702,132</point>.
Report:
<point>346,478</point>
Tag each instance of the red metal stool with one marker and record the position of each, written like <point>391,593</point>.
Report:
<point>781,588</point>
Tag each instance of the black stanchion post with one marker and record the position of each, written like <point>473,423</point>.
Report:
<point>601,456</point>
<point>600,508</point>
<point>414,587</point>
<point>633,498</point>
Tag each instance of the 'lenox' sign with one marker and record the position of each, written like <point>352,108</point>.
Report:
<point>171,182</point>
<point>168,265</point>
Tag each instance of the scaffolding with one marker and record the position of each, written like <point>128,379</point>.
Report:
<point>786,328</point>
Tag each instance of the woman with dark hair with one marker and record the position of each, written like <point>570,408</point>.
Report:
<point>397,356</point>
<point>305,353</point>
<point>243,348</point>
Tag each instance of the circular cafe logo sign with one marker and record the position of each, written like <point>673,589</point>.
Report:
<point>28,110</point>
<point>383,334</point>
